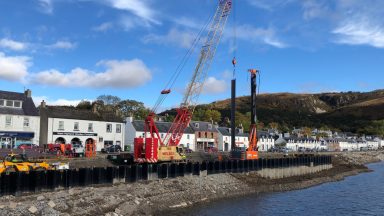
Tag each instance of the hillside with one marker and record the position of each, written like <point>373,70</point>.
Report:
<point>346,111</point>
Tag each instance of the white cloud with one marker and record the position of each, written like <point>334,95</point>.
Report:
<point>360,33</point>
<point>46,6</point>
<point>62,44</point>
<point>118,74</point>
<point>314,9</point>
<point>11,44</point>
<point>268,4</point>
<point>214,86</point>
<point>14,68</point>
<point>56,102</point>
<point>260,35</point>
<point>175,37</point>
<point>139,8</point>
<point>103,27</point>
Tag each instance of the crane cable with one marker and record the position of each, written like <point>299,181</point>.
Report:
<point>234,40</point>
<point>182,64</point>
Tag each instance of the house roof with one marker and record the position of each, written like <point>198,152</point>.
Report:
<point>28,107</point>
<point>224,131</point>
<point>203,126</point>
<point>163,127</point>
<point>70,112</point>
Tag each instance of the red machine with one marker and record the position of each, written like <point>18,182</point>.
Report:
<point>252,151</point>
<point>152,149</point>
<point>90,148</point>
<point>60,149</point>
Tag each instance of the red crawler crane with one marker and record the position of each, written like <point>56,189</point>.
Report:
<point>152,148</point>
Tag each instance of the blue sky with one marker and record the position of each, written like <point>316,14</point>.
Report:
<point>69,50</point>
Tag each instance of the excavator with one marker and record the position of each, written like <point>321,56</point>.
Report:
<point>19,163</point>
<point>151,148</point>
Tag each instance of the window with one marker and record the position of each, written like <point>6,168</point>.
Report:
<point>2,102</point>
<point>206,135</point>
<point>211,135</point>
<point>90,127</point>
<point>199,134</point>
<point>100,139</point>
<point>162,136</point>
<point>109,128</point>
<point>61,125</point>
<point>26,122</point>
<point>76,126</point>
<point>196,125</point>
<point>118,128</point>
<point>9,103</point>
<point>17,104</point>
<point>8,120</point>
<point>187,136</point>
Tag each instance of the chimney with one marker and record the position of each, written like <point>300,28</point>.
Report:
<point>129,119</point>
<point>28,93</point>
<point>43,104</point>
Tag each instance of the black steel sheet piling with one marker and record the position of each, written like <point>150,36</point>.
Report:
<point>181,169</point>
<point>210,168</point>
<point>196,169</point>
<point>172,170</point>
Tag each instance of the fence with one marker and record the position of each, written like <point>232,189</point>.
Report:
<point>18,183</point>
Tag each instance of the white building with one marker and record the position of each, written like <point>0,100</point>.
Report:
<point>224,139</point>
<point>62,124</point>
<point>19,119</point>
<point>135,129</point>
<point>306,143</point>
<point>265,141</point>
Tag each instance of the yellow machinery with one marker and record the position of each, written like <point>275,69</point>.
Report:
<point>19,163</point>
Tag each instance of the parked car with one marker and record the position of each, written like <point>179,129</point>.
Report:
<point>78,150</point>
<point>112,148</point>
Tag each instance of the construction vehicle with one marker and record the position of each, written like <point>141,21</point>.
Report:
<point>250,153</point>
<point>152,148</point>
<point>60,149</point>
<point>20,163</point>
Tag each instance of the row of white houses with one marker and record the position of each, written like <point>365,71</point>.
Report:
<point>21,122</point>
<point>296,144</point>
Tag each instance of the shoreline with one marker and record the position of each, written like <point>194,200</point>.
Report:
<point>179,195</point>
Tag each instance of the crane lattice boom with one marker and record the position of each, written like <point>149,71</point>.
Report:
<point>195,86</point>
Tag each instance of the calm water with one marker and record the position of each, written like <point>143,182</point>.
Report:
<point>356,195</point>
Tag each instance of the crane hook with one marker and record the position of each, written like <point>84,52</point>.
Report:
<point>234,62</point>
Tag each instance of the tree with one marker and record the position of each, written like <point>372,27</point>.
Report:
<point>273,125</point>
<point>84,105</point>
<point>133,108</point>
<point>259,125</point>
<point>212,115</point>
<point>306,131</point>
<point>109,99</point>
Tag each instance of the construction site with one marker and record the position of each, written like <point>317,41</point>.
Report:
<point>160,175</point>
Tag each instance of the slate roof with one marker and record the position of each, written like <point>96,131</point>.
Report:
<point>163,127</point>
<point>203,126</point>
<point>28,108</point>
<point>224,131</point>
<point>69,112</point>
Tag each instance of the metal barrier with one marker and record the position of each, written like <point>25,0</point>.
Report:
<point>17,183</point>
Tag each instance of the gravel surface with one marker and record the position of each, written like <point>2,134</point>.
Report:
<point>173,196</point>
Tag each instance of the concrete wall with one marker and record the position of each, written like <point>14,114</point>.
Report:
<point>292,171</point>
